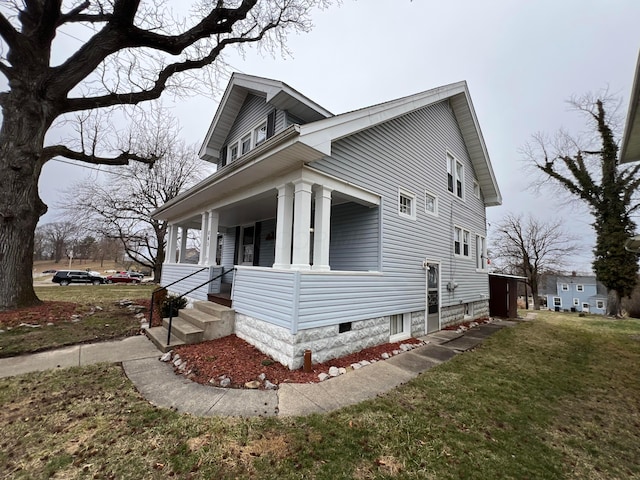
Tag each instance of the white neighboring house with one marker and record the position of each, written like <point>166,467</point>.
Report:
<point>340,231</point>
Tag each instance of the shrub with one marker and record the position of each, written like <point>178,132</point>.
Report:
<point>176,302</point>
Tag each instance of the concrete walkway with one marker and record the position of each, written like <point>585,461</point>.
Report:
<point>157,382</point>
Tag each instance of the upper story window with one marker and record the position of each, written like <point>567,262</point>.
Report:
<point>455,176</point>
<point>460,242</point>
<point>580,288</point>
<point>430,203</point>
<point>245,144</point>
<point>406,204</point>
<point>564,287</point>
<point>476,189</point>
<point>260,134</point>
<point>233,152</point>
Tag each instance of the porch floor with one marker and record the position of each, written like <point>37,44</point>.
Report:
<point>222,298</point>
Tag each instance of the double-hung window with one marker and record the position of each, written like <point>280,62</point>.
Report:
<point>455,176</point>
<point>430,203</point>
<point>461,242</point>
<point>233,152</point>
<point>580,288</point>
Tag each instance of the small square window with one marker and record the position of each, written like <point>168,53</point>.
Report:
<point>406,204</point>
<point>430,203</point>
<point>565,287</point>
<point>600,304</point>
<point>246,144</point>
<point>576,301</point>
<point>580,288</point>
<point>399,327</point>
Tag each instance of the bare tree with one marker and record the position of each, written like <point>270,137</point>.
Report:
<point>588,169</point>
<point>120,206</point>
<point>136,51</point>
<point>61,237</point>
<point>529,247</point>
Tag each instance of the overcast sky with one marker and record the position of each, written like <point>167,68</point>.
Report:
<point>521,59</point>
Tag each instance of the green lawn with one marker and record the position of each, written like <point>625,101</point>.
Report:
<point>550,399</point>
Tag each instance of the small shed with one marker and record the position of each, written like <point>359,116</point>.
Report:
<point>503,295</point>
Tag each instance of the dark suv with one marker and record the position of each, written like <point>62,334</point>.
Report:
<point>65,277</point>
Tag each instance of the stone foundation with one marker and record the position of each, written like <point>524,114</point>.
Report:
<point>454,314</point>
<point>325,343</point>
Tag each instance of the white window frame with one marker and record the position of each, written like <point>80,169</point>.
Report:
<point>559,299</point>
<point>435,203</point>
<point>230,156</point>
<point>256,132</point>
<point>402,193</point>
<point>476,189</point>
<point>455,171</point>
<point>406,327</point>
<point>244,140</point>
<point>579,288</point>
<point>600,304</point>
<point>481,253</point>
<point>461,236</point>
<point>564,287</point>
<point>576,302</point>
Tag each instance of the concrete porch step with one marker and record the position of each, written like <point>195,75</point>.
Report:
<point>184,329</point>
<point>215,310</point>
<point>158,335</point>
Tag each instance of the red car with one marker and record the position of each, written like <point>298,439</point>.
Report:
<point>122,277</point>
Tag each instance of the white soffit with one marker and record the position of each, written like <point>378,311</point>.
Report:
<point>630,147</point>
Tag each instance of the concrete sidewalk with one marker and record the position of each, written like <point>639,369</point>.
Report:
<point>130,348</point>
<point>157,382</point>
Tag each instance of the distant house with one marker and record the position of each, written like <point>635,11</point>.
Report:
<point>339,231</point>
<point>575,293</point>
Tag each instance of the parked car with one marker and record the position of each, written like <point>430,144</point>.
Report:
<point>66,277</point>
<point>122,277</point>
<point>136,274</point>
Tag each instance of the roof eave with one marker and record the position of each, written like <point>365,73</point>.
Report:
<point>630,146</point>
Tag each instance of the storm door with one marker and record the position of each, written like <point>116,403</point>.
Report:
<point>433,297</point>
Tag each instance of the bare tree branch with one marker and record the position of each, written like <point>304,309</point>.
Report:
<point>123,159</point>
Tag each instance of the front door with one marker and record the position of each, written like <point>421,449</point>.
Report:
<point>433,297</point>
<point>247,242</point>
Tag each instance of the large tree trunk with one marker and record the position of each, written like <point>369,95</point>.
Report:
<point>614,304</point>
<point>22,133</point>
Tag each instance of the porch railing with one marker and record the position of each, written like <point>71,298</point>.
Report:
<point>174,300</point>
<point>160,289</point>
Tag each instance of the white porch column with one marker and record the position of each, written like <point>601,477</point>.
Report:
<point>212,247</point>
<point>284,222</point>
<point>204,244</point>
<point>183,245</point>
<point>172,240</point>
<point>321,229</point>
<point>301,225</point>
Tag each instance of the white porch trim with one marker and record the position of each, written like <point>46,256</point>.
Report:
<point>284,221</point>
<point>183,244</point>
<point>321,228</point>
<point>301,225</point>
<point>204,244</point>
<point>172,241</point>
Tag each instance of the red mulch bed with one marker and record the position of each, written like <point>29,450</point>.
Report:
<point>241,362</point>
<point>480,321</point>
<point>48,312</point>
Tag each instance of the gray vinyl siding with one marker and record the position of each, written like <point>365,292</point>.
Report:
<point>252,113</point>
<point>410,153</point>
<point>172,272</point>
<point>228,249</point>
<point>354,238</point>
<point>267,247</point>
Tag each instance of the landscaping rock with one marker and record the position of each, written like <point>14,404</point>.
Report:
<point>270,386</point>
<point>323,376</point>
<point>254,384</point>
<point>364,363</point>
<point>356,366</point>
<point>225,382</point>
<point>405,347</point>
<point>334,371</point>
<point>397,352</point>
<point>262,377</point>
<point>177,362</point>
<point>166,357</point>
<point>342,370</point>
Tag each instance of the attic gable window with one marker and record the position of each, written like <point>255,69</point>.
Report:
<point>233,152</point>
<point>260,134</point>
<point>245,144</point>
<point>455,176</point>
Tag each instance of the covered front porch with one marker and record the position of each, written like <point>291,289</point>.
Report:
<point>302,221</point>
